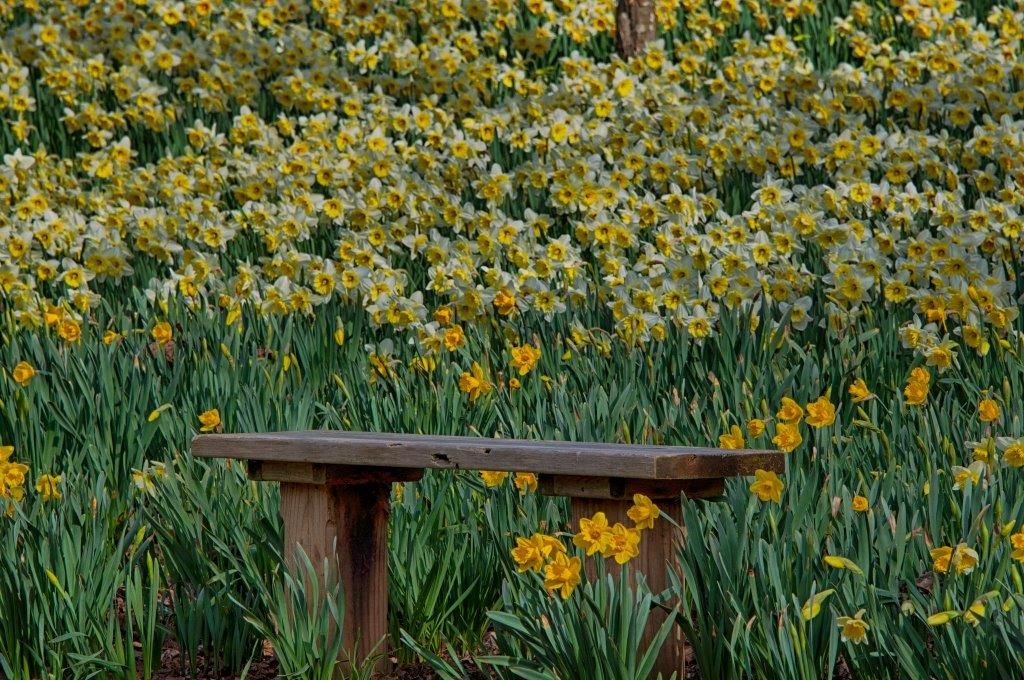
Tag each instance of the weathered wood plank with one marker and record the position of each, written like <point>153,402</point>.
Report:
<point>276,471</point>
<point>585,486</point>
<point>328,475</point>
<point>325,447</point>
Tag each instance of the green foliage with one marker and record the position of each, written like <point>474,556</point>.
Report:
<point>595,633</point>
<point>448,555</point>
<point>214,530</point>
<point>147,543</point>
<point>303,617</point>
<point>60,570</point>
<point>747,567</point>
<point>444,570</point>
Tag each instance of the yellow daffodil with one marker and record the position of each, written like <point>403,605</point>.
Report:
<point>48,487</point>
<point>474,383</point>
<point>562,575</point>
<point>623,543</point>
<point>162,333</point>
<point>859,391</point>
<point>534,552</point>
<point>787,436</point>
<point>23,373</point>
<point>916,393</point>
<point>733,439</point>
<point>767,486</point>
<point>790,412</point>
<point>525,482</point>
<point>853,629</point>
<point>643,512</point>
<point>821,412</point>
<point>209,420</point>
<point>524,358</point>
<point>594,534</point>
<point>493,478</point>
<point>988,411</point>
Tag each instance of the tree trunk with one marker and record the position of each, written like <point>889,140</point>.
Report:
<point>635,26</point>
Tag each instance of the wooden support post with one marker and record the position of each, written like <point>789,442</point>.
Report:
<point>342,514</point>
<point>659,547</point>
<point>658,551</point>
<point>348,525</point>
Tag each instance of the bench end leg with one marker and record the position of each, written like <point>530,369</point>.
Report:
<point>347,524</point>
<point>658,552</point>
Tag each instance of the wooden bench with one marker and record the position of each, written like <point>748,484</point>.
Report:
<point>336,486</point>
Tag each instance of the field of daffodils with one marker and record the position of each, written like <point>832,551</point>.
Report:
<point>788,224</point>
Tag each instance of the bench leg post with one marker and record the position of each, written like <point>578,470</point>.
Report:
<point>347,524</point>
<point>658,552</point>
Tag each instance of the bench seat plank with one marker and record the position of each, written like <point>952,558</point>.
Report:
<point>327,447</point>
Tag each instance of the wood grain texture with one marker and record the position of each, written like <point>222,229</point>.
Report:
<point>658,552</point>
<point>331,475</point>
<point>475,453</point>
<point>276,471</point>
<point>348,525</point>
<point>585,486</point>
